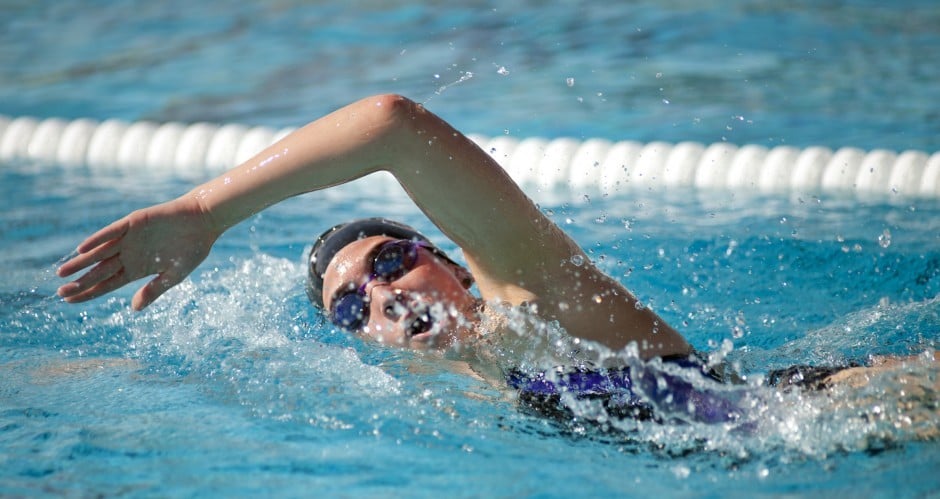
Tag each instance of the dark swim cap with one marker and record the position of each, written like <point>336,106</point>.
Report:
<point>339,236</point>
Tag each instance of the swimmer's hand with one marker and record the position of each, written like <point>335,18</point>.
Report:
<point>168,240</point>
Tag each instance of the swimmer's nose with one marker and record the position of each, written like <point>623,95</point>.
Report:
<point>394,302</point>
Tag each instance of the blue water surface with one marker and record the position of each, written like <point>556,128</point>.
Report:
<point>232,385</point>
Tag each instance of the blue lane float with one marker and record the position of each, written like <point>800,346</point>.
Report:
<point>203,149</point>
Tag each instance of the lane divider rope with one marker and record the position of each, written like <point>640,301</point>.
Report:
<point>200,150</point>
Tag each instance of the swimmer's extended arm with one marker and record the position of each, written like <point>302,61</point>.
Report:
<point>514,251</point>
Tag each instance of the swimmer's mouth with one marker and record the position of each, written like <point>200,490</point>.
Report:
<point>422,323</point>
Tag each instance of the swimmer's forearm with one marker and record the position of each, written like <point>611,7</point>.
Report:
<point>342,146</point>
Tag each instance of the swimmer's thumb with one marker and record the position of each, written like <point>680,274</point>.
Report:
<point>153,289</point>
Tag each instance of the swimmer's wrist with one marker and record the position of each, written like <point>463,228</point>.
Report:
<point>213,224</point>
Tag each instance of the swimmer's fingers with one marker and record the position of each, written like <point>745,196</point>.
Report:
<point>96,248</point>
<point>100,253</point>
<point>104,278</point>
<point>114,231</point>
<point>153,289</point>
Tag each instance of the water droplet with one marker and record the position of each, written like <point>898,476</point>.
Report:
<point>884,240</point>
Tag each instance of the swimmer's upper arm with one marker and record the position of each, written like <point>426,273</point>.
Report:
<point>512,248</point>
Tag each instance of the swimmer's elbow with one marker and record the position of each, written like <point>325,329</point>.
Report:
<point>392,102</point>
<point>397,112</point>
<point>392,109</point>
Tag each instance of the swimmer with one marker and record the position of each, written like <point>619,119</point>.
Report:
<point>384,280</point>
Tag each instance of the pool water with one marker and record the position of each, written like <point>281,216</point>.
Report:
<point>232,384</point>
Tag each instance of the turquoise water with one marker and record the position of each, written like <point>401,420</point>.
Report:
<point>232,385</point>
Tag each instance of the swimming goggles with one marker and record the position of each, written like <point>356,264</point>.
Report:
<point>393,259</point>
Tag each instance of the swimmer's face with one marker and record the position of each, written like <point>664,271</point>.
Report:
<point>425,305</point>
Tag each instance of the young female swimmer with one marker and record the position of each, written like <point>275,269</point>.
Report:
<point>382,279</point>
<point>515,254</point>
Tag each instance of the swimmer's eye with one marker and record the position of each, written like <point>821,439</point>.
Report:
<point>350,310</point>
<point>392,260</point>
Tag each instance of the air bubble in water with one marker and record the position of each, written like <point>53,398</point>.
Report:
<point>577,260</point>
<point>569,82</point>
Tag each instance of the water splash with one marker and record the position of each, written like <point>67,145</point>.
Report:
<point>869,412</point>
<point>246,335</point>
<point>464,76</point>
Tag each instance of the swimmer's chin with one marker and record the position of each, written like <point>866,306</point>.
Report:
<point>448,337</point>
<point>426,341</point>
<point>437,338</point>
